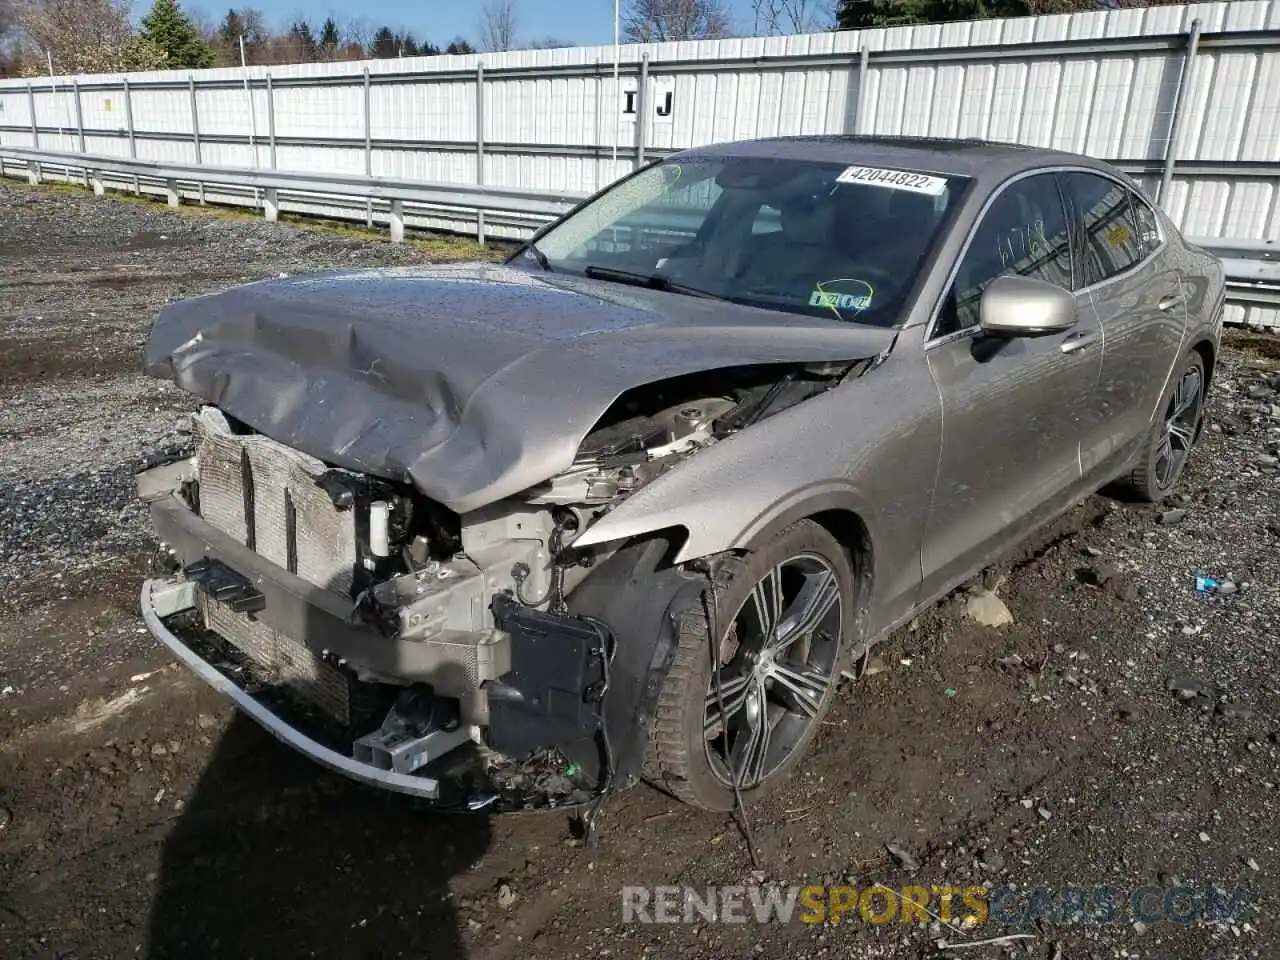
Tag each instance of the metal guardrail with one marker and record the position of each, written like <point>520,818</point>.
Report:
<point>1252,266</point>
<point>522,208</point>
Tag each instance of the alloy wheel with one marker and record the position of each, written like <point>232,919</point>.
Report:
<point>1181,423</point>
<point>778,657</point>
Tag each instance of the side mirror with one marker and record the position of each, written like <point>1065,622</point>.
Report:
<point>1014,306</point>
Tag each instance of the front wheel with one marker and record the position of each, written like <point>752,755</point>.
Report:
<point>1168,445</point>
<point>783,620</point>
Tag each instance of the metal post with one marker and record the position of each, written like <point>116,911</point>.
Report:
<point>128,120</point>
<point>480,123</point>
<point>1175,121</point>
<point>368,148</point>
<point>75,86</point>
<point>397,221</point>
<point>271,121</point>
<point>642,111</point>
<point>35,127</point>
<point>133,142</point>
<point>859,120</point>
<point>195,130</point>
<point>480,145</point>
<point>270,205</point>
<point>195,118</point>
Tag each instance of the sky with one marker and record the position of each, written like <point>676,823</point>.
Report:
<point>582,22</point>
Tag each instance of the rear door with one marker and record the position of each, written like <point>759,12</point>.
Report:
<point>1011,408</point>
<point>1139,300</point>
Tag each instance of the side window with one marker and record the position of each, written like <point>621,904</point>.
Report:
<point>1148,224</point>
<point>1109,236</point>
<point>768,220</point>
<point>1023,232</point>
<point>661,225</point>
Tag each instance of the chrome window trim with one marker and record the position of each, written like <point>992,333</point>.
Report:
<point>930,341</point>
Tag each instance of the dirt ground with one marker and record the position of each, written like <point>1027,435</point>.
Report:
<point>140,816</point>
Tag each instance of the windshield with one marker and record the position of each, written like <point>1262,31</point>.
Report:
<point>821,239</point>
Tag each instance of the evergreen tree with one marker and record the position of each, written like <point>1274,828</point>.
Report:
<point>459,46</point>
<point>247,23</point>
<point>384,44</point>
<point>302,40</point>
<point>329,38</point>
<point>168,29</point>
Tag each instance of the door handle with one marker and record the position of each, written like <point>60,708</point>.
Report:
<point>1079,341</point>
<point>1171,301</point>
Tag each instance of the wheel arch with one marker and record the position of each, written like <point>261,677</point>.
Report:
<point>837,512</point>
<point>1209,354</point>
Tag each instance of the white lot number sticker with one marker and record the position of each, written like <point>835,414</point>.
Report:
<point>895,180</point>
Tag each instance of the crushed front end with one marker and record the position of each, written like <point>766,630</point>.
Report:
<point>478,660</point>
<point>373,630</point>
<point>408,647</point>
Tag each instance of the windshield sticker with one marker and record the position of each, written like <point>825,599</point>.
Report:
<point>840,301</point>
<point>895,180</point>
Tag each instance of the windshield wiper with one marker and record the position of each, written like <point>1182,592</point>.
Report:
<point>653,281</point>
<point>538,255</point>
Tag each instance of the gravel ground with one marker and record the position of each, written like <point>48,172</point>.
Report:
<point>1122,731</point>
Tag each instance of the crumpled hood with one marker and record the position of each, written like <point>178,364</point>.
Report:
<point>471,382</point>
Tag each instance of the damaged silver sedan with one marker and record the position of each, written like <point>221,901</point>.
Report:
<point>630,504</point>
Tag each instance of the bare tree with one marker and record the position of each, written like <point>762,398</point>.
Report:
<point>357,33</point>
<point>204,24</point>
<point>549,43</point>
<point>498,24</point>
<point>9,51</point>
<point>647,21</point>
<point>774,17</point>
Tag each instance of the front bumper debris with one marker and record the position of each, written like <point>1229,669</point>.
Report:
<point>165,598</point>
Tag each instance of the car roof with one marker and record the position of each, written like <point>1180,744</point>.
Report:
<point>980,159</point>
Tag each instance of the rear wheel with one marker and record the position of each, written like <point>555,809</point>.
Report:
<point>782,621</point>
<point>1168,445</point>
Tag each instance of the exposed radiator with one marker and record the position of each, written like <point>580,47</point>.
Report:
<point>264,494</point>
<point>282,659</point>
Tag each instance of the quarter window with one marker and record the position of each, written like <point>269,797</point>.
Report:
<point>1148,225</point>
<point>1024,232</point>
<point>1110,237</point>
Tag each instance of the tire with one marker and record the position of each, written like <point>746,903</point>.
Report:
<point>1167,447</point>
<point>755,681</point>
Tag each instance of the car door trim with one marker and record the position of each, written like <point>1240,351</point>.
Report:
<point>1079,340</point>
<point>930,341</point>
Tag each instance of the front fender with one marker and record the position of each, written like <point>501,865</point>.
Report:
<point>868,447</point>
<point>731,517</point>
<point>731,494</point>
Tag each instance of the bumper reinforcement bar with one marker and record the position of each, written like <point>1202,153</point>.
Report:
<point>163,598</point>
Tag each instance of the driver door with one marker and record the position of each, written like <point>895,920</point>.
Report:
<point>1012,408</point>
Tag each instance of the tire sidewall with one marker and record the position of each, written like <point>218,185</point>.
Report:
<point>1159,491</point>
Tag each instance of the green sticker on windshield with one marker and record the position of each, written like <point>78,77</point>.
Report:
<point>839,301</point>
<point>843,295</point>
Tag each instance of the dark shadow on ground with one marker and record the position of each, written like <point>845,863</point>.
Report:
<point>275,857</point>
